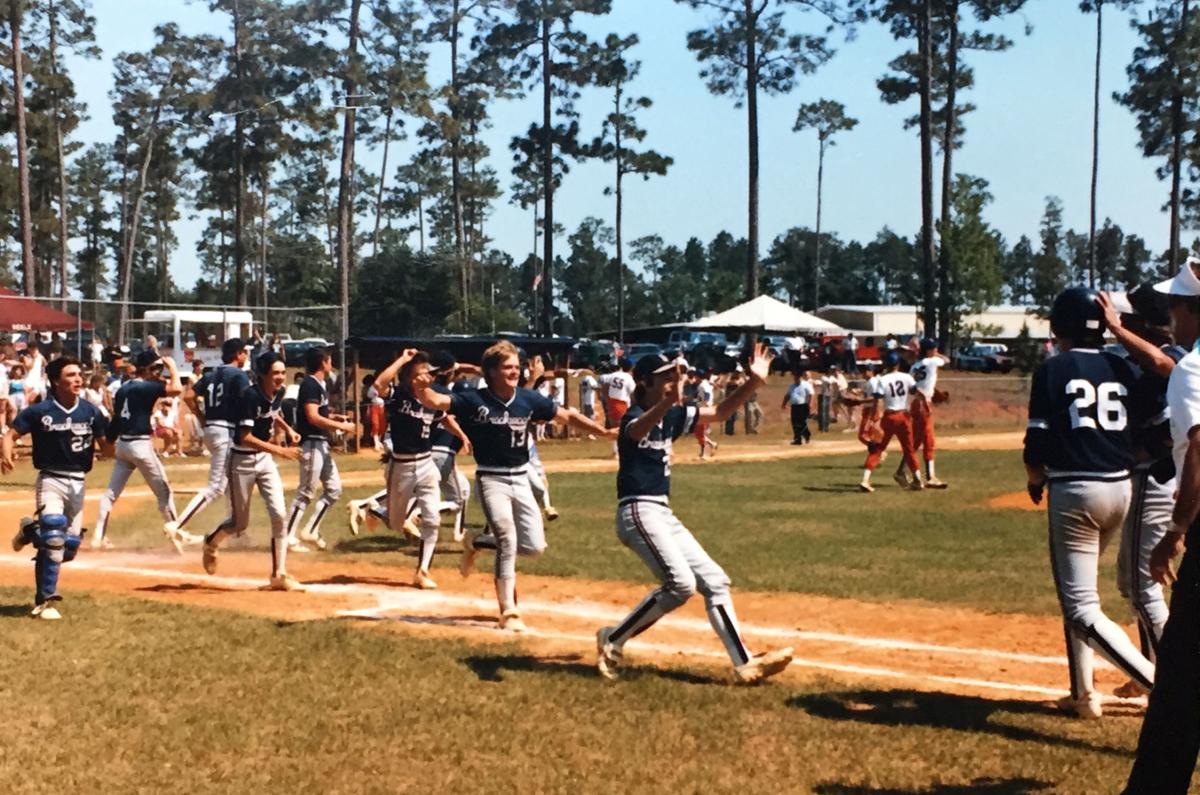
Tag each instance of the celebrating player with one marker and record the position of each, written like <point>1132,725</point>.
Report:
<point>252,463</point>
<point>1078,442</point>
<point>221,393</point>
<point>646,524</point>
<point>925,372</point>
<point>317,467</point>
<point>497,420</point>
<point>892,392</point>
<point>65,429</point>
<point>132,408</point>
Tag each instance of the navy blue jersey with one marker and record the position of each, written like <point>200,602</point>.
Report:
<point>257,416</point>
<point>220,391</point>
<point>499,431</point>
<point>1152,436</point>
<point>312,390</point>
<point>62,440</point>
<point>645,466</point>
<point>409,423</point>
<point>442,438</point>
<point>133,406</point>
<point>1081,416</point>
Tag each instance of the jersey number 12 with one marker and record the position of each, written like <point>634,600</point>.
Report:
<point>1110,410</point>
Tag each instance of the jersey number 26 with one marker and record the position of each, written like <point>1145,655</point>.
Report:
<point>1110,409</point>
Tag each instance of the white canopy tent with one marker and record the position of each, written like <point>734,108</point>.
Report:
<point>767,315</point>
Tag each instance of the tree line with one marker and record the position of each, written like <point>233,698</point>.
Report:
<point>260,132</point>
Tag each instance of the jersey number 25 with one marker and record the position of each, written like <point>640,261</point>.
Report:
<point>1110,409</point>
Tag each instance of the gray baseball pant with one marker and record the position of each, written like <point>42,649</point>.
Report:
<point>317,468</point>
<point>218,440</point>
<point>247,470</point>
<point>416,480</point>
<point>513,514</point>
<point>1148,520</point>
<point>537,478</point>
<point>61,494</point>
<point>675,557</point>
<point>136,454</point>
<point>1084,516</point>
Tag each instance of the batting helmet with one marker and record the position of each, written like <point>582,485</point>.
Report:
<point>928,345</point>
<point>1150,304</point>
<point>1076,315</point>
<point>891,359</point>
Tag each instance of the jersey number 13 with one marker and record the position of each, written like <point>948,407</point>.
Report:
<point>1109,410</point>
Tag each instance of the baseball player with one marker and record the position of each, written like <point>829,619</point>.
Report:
<point>618,391</point>
<point>705,398</point>
<point>588,387</point>
<point>925,372</point>
<point>65,429</point>
<point>1078,443</point>
<point>317,467</point>
<point>220,391</point>
<point>411,474</point>
<point>252,463</point>
<point>1170,737</point>
<point>1144,333</point>
<point>497,420</point>
<point>799,397</point>
<point>646,524</point>
<point>130,428</point>
<point>893,392</point>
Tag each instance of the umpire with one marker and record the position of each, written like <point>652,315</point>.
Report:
<point>1170,738</point>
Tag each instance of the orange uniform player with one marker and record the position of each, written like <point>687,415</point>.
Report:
<point>893,393</point>
<point>925,372</point>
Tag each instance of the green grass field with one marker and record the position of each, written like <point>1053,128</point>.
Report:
<point>131,696</point>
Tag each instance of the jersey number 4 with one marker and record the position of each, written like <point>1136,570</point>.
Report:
<point>1109,408</point>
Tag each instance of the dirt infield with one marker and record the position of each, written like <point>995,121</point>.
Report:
<point>923,647</point>
<point>1016,501</point>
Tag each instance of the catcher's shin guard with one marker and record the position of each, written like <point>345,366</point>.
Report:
<point>54,546</point>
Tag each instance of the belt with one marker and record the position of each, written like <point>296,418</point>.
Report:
<point>406,458</point>
<point>503,471</point>
<point>656,499</point>
<point>133,438</point>
<point>219,424</point>
<point>50,473</point>
<point>448,450</point>
<point>240,451</point>
<point>895,411</point>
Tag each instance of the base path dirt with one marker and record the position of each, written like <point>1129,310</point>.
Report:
<point>927,647</point>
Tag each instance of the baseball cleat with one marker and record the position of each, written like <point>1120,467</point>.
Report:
<point>916,485</point>
<point>171,531</point>
<point>901,479</point>
<point>424,581</point>
<point>209,558</point>
<point>283,582</point>
<point>314,539</point>
<point>356,512</point>
<point>510,621</point>
<point>550,513</point>
<point>608,655</point>
<point>100,542</point>
<point>23,536</point>
<point>410,529</point>
<point>466,563</point>
<point>934,483</point>
<point>1086,707</point>
<point>294,545</point>
<point>762,666</point>
<point>1130,689</point>
<point>46,611</point>
<point>866,488</point>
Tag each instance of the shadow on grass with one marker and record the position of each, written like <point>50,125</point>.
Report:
<point>491,668</point>
<point>14,611</point>
<point>187,587</point>
<point>377,542</point>
<point>940,711</point>
<point>838,488</point>
<point>983,786</point>
<point>346,579</point>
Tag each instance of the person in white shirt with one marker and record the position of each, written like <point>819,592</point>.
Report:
<point>35,373</point>
<point>893,393</point>
<point>96,349</point>
<point>618,395</point>
<point>588,386</point>
<point>925,372</point>
<point>799,397</point>
<point>705,395</point>
<point>163,425</point>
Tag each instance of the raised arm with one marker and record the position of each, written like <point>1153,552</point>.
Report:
<point>571,417</point>
<point>174,387</point>
<point>760,366</point>
<point>7,443</point>
<point>1145,353</point>
<point>387,376</point>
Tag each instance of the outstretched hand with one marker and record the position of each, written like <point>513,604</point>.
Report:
<point>759,365</point>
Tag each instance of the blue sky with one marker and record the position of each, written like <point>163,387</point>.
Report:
<point>1030,136</point>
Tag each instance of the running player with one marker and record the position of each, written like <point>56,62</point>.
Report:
<point>925,372</point>
<point>220,391</point>
<point>1078,442</point>
<point>132,408</point>
<point>317,467</point>
<point>65,429</point>
<point>893,393</point>
<point>252,463</point>
<point>646,524</point>
<point>497,420</point>
<point>618,391</point>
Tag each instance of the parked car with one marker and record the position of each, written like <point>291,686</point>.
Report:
<point>590,354</point>
<point>638,350</point>
<point>984,358</point>
<point>686,341</point>
<point>295,351</point>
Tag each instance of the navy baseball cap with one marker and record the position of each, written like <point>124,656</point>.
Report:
<point>652,365</point>
<point>441,362</point>
<point>146,358</point>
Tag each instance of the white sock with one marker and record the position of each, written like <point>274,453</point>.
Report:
<point>929,470</point>
<point>279,550</point>
<point>506,593</point>
<point>866,477</point>
<point>429,537</point>
<point>641,618</point>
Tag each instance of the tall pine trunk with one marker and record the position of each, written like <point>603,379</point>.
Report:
<point>387,139</point>
<point>820,185</point>
<point>135,215</point>
<point>752,146</point>
<point>945,254</point>
<point>456,167</point>
<point>928,257</point>
<point>27,265</point>
<point>1177,131</point>
<point>620,252</point>
<point>1095,149</point>
<point>239,218</point>
<point>346,186</point>
<point>547,181</point>
<point>265,179</point>
<point>61,165</point>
